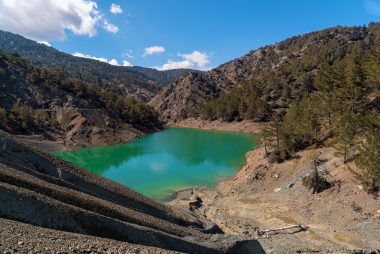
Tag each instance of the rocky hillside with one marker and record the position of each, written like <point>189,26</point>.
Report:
<point>139,81</point>
<point>45,192</point>
<point>287,67</point>
<point>42,102</point>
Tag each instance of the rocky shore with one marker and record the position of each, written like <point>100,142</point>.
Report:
<point>341,219</point>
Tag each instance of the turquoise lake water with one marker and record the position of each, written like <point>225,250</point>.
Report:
<point>162,163</point>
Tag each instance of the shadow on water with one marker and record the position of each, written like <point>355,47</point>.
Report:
<point>100,159</point>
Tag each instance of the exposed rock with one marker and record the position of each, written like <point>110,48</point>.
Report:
<point>195,204</point>
<point>192,89</point>
<point>63,116</point>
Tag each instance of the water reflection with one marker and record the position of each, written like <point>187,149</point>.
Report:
<point>167,161</point>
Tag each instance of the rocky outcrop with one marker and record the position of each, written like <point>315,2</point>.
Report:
<point>192,89</point>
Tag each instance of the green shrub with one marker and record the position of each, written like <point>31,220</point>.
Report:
<point>23,114</point>
<point>3,116</point>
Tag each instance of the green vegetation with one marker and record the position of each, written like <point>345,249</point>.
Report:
<point>22,116</point>
<point>347,131</point>
<point>369,161</point>
<point>244,102</point>
<point>3,116</point>
<point>121,80</point>
<point>369,148</point>
<point>345,105</point>
<point>20,72</point>
<point>316,181</point>
<point>233,106</point>
<point>331,89</point>
<point>129,109</point>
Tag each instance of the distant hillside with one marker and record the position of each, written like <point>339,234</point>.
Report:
<point>143,82</point>
<point>282,73</point>
<point>42,101</point>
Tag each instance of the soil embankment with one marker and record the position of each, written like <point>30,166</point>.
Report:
<point>341,219</point>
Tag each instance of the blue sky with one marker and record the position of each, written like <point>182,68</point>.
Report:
<point>199,33</point>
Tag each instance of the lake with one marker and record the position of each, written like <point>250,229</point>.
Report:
<point>162,163</point>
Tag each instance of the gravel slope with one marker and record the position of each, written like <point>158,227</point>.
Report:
<point>41,190</point>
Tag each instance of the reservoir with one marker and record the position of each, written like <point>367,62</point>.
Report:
<point>162,163</point>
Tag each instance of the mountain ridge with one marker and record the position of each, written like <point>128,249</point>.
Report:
<point>43,102</point>
<point>180,99</point>
<point>139,81</point>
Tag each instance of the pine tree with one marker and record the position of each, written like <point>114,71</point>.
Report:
<point>347,130</point>
<point>340,84</point>
<point>326,90</point>
<point>369,148</point>
<point>369,160</point>
<point>373,68</point>
<point>300,126</point>
<point>271,134</point>
<point>3,116</point>
<point>355,80</point>
<point>24,115</point>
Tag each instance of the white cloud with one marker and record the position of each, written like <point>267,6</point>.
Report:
<point>110,27</point>
<point>46,43</point>
<point>200,58</point>
<point>113,62</point>
<point>128,54</point>
<point>101,59</point>
<point>189,61</point>
<point>50,19</point>
<point>126,63</point>
<point>115,9</point>
<point>153,50</point>
<point>170,65</point>
<point>158,167</point>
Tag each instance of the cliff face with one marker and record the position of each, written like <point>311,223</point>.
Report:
<point>285,66</point>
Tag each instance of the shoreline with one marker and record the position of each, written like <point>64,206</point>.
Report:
<point>242,127</point>
<point>47,145</point>
<point>263,195</point>
<point>217,125</point>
